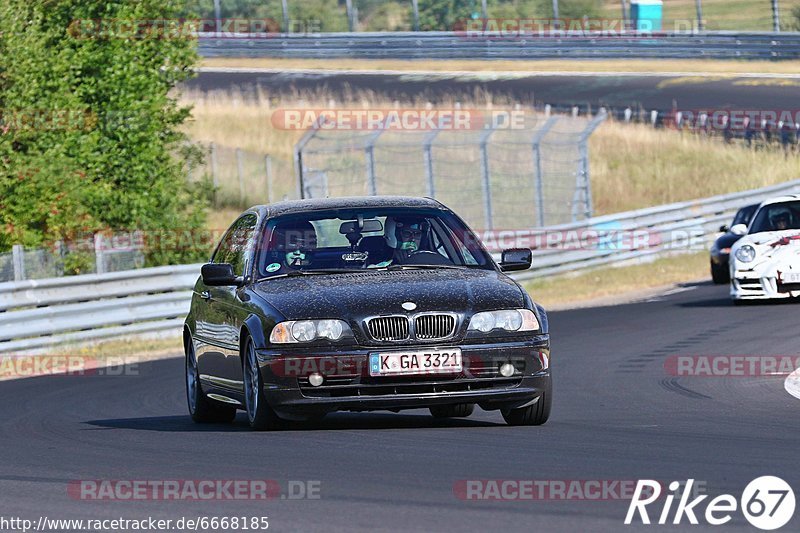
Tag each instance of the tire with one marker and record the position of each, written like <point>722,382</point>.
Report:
<point>533,415</point>
<point>259,413</point>
<point>720,274</point>
<point>202,409</point>
<point>459,410</point>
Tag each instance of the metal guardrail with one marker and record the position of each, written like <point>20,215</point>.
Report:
<point>662,230</point>
<point>37,314</point>
<point>460,45</point>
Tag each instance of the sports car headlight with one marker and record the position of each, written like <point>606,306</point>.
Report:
<point>293,331</point>
<point>508,320</point>
<point>746,253</point>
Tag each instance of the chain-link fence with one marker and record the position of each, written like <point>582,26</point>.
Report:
<point>242,178</point>
<point>495,178</point>
<point>98,254</point>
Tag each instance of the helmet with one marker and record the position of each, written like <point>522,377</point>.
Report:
<point>780,214</point>
<point>294,235</point>
<point>401,232</point>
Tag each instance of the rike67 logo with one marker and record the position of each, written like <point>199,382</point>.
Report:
<point>767,503</point>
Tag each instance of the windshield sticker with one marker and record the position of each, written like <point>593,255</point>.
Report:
<point>272,267</point>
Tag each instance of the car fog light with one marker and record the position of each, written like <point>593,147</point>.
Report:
<point>507,370</point>
<point>315,379</point>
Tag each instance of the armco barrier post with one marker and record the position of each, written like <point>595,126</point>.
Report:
<point>99,256</point>
<point>18,258</point>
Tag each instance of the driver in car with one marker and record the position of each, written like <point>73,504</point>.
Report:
<point>404,236</point>
<point>292,246</point>
<point>781,219</point>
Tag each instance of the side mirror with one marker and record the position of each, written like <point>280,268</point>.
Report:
<point>516,259</point>
<point>739,229</point>
<point>220,275</point>
<point>724,228</point>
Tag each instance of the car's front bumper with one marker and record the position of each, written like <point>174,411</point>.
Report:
<point>748,285</point>
<point>349,387</point>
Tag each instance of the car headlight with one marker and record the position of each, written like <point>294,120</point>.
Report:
<point>746,253</point>
<point>508,320</point>
<point>293,331</point>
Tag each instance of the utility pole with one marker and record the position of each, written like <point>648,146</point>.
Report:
<point>624,12</point>
<point>776,17</point>
<point>217,18</point>
<point>700,15</point>
<point>484,10</point>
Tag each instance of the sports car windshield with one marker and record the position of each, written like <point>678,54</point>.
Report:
<point>368,239</point>
<point>777,217</point>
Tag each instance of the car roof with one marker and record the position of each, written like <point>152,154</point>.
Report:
<point>781,199</point>
<point>288,207</point>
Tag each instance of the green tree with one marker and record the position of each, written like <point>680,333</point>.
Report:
<point>104,149</point>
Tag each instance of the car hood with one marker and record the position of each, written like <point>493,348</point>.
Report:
<point>362,294</point>
<point>773,249</point>
<point>727,240</point>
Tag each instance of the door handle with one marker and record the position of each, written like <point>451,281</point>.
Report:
<point>205,295</point>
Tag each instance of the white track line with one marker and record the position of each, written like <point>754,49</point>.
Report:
<point>792,384</point>
<point>494,75</point>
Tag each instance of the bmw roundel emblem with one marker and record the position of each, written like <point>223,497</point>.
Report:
<point>409,306</point>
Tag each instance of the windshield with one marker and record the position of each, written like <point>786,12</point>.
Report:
<point>777,217</point>
<point>365,239</point>
<point>744,215</point>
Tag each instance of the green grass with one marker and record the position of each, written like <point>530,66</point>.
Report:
<point>563,291</point>
<point>741,15</point>
<point>632,166</point>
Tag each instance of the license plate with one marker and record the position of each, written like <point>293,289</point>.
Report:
<point>435,361</point>
<point>790,277</point>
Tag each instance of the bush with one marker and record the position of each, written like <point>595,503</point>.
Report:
<point>91,137</point>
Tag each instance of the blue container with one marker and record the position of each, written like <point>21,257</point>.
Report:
<point>647,15</point>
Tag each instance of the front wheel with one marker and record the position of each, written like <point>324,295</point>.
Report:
<point>260,415</point>
<point>532,415</point>
<point>202,409</point>
<point>719,274</point>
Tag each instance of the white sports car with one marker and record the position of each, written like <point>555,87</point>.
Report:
<point>765,262</point>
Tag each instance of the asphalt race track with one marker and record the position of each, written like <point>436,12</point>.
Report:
<point>617,415</point>
<point>690,92</point>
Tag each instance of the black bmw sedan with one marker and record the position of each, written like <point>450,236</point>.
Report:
<point>721,249</point>
<point>360,304</point>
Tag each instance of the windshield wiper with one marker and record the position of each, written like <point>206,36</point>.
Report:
<point>392,268</point>
<point>309,272</point>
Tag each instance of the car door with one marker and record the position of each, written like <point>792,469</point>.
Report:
<point>224,313</point>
